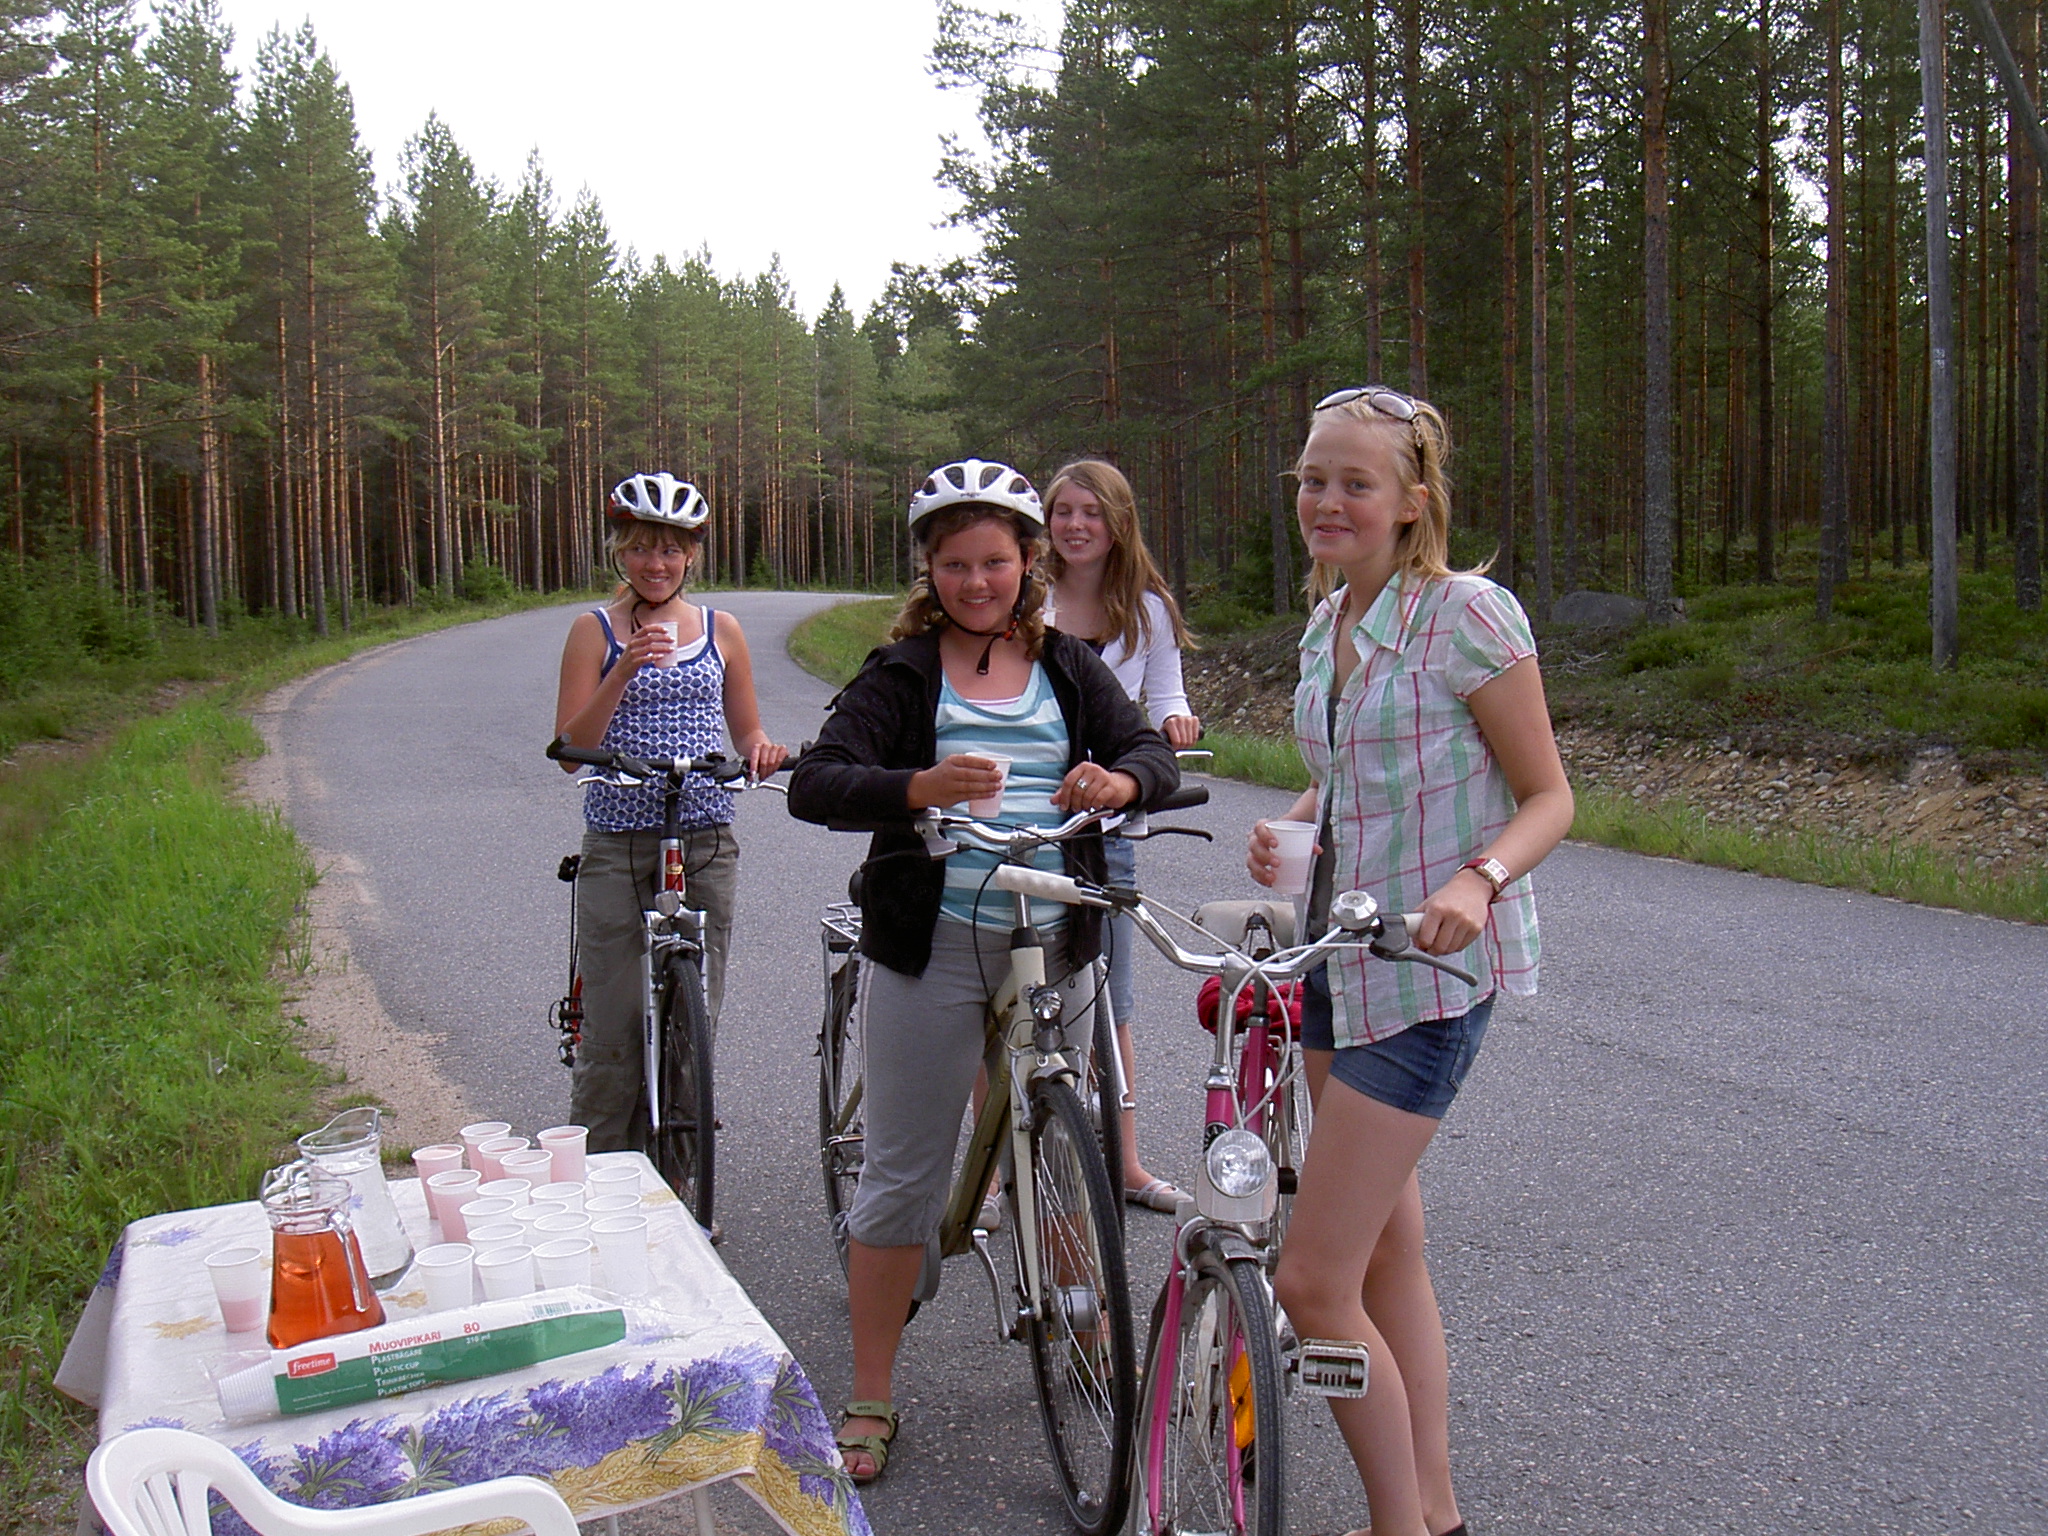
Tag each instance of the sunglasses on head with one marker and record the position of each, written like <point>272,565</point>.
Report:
<point>1388,402</point>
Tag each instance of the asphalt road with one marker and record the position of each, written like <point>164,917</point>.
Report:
<point>1738,1227</point>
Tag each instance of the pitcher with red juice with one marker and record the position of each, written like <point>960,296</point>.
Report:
<point>318,1285</point>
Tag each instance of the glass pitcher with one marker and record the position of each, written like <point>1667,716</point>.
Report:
<point>350,1146</point>
<point>318,1286</point>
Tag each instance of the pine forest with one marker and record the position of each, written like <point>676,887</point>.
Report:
<point>1663,267</point>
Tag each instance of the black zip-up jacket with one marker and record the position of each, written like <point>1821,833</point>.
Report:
<point>884,727</point>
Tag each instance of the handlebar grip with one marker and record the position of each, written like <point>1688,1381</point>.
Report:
<point>564,752</point>
<point>1045,885</point>
<point>1185,798</point>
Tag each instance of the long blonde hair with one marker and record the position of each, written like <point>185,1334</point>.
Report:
<point>922,611</point>
<point>1422,453</point>
<point>1130,572</point>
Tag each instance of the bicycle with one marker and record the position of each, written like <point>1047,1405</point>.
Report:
<point>1070,1298</point>
<point>676,1035</point>
<point>1210,1453</point>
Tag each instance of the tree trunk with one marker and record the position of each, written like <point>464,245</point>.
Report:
<point>1834,445</point>
<point>1509,339</point>
<point>1656,314</point>
<point>1766,195</point>
<point>1568,505</point>
<point>1539,355</point>
<point>2026,531</point>
<point>1941,384</point>
<point>1418,312</point>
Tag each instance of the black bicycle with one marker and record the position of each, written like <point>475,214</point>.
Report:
<point>676,1036</point>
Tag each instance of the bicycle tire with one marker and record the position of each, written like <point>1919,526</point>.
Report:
<point>1192,1426</point>
<point>841,1076</point>
<point>1289,1119</point>
<point>684,1146</point>
<point>1104,1109</point>
<point>1082,1357</point>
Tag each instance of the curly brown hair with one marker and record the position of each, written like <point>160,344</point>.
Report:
<point>922,610</point>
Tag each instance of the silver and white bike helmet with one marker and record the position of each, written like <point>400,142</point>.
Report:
<point>980,483</point>
<point>661,499</point>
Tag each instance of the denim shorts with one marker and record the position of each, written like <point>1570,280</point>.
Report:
<point>1418,1070</point>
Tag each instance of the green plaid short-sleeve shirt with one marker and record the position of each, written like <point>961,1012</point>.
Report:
<point>1409,789</point>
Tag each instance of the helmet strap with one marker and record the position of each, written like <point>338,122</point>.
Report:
<point>993,635</point>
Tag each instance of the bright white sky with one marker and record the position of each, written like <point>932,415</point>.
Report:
<point>804,128</point>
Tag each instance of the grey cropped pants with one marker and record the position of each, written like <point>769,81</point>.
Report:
<point>923,1039</point>
<point>615,884</point>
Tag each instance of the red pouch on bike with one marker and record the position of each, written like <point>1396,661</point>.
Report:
<point>1283,1006</point>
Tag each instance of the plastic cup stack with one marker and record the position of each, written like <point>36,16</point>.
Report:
<point>428,1161</point>
<point>622,1251</point>
<point>568,1144</point>
<point>447,1193</point>
<point>489,1155</point>
<point>474,1136</point>
<point>613,1179</point>
<point>241,1284</point>
<point>534,1164</point>
<point>566,1261</point>
<point>505,1272</point>
<point>448,1271</point>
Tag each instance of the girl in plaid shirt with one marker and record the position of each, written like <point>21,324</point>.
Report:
<point>1437,787</point>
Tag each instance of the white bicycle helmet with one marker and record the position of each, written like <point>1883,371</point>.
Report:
<point>980,483</point>
<point>661,499</point>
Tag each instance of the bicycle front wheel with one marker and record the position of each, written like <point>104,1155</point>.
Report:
<point>1211,1432</point>
<point>841,1078</point>
<point>684,1145</point>
<point>1081,1347</point>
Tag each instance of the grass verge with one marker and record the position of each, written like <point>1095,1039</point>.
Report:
<point>1669,828</point>
<point>142,914</point>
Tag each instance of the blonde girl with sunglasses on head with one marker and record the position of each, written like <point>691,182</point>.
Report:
<point>1437,787</point>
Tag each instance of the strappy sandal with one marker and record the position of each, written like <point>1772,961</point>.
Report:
<point>1157,1195</point>
<point>876,1447</point>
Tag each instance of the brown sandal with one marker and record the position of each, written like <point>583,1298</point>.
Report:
<point>876,1447</point>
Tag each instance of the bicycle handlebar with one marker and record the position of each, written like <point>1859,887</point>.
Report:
<point>715,766</point>
<point>1357,917</point>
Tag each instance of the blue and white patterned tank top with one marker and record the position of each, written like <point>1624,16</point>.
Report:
<point>1033,733</point>
<point>673,711</point>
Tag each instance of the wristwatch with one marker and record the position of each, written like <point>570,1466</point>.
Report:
<point>1493,872</point>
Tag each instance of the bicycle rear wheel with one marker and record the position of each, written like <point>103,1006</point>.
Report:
<point>1211,1431</point>
<point>841,1077</point>
<point>684,1145</point>
<point>1081,1348</point>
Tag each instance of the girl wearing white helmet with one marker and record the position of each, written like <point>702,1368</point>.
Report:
<point>972,671</point>
<point>650,673</point>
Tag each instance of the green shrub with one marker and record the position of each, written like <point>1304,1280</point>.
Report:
<point>483,581</point>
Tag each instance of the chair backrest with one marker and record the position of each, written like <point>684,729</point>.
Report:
<point>155,1482</point>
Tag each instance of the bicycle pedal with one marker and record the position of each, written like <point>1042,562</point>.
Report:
<point>1335,1367</point>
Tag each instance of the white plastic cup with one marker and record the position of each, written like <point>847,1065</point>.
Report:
<point>566,1261</point>
<point>992,805</point>
<point>439,1158</point>
<point>448,1270</point>
<point>535,1165</point>
<point>621,1178</point>
<point>1297,854</point>
<point>622,1251</point>
<point>447,1193</point>
<point>518,1191</point>
<point>568,1224</point>
<point>674,631</point>
<point>241,1284</point>
<point>489,1154</point>
<point>499,1234</point>
<point>505,1272</point>
<point>478,1213</point>
<point>474,1136</point>
<point>610,1205</point>
<point>568,1143</point>
<point>528,1214</point>
<point>567,1196</point>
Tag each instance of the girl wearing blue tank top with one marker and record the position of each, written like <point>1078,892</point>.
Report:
<point>650,673</point>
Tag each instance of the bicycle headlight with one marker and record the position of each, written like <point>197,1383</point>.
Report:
<point>1239,1164</point>
<point>1046,1003</point>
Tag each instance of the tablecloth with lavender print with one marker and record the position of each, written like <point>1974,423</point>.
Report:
<point>701,1390</point>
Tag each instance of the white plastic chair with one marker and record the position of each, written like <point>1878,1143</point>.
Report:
<point>154,1482</point>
